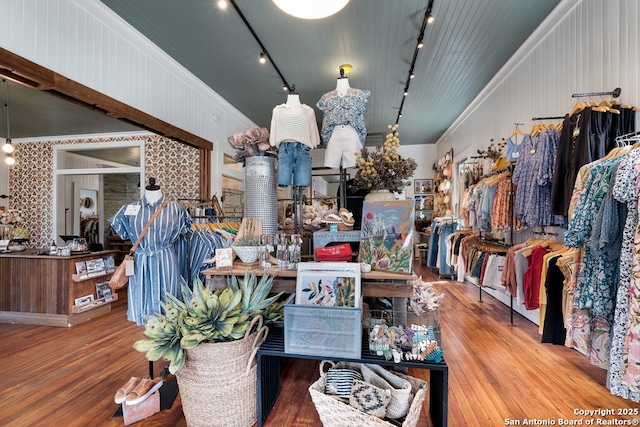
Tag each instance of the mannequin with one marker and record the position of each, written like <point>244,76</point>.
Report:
<point>293,101</point>
<point>342,86</point>
<point>343,127</point>
<point>294,131</point>
<point>159,260</point>
<point>152,192</point>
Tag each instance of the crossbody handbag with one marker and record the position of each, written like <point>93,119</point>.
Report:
<point>119,279</point>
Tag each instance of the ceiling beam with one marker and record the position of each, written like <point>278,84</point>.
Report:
<point>35,76</point>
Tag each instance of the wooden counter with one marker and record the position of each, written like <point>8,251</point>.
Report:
<point>41,289</point>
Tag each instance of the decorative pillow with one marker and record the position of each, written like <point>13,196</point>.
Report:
<point>369,398</point>
<point>340,380</point>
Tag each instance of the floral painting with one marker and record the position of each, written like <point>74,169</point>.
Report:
<point>386,237</point>
<point>329,290</point>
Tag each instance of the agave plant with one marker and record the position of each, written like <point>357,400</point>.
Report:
<point>206,315</point>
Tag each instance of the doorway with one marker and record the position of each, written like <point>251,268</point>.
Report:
<point>91,182</point>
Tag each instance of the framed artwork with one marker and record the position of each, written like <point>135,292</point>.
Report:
<point>386,235</point>
<point>422,186</point>
<point>329,284</point>
<point>423,215</point>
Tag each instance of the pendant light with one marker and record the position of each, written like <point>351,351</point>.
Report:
<point>8,147</point>
<point>311,9</point>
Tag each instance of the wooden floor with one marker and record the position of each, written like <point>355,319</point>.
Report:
<point>497,372</point>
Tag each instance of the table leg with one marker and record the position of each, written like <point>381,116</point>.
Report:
<point>268,387</point>
<point>439,397</point>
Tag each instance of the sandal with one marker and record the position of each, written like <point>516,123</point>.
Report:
<point>121,394</point>
<point>332,219</point>
<point>347,216</point>
<point>144,389</point>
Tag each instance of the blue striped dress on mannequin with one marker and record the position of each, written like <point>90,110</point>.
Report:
<point>158,261</point>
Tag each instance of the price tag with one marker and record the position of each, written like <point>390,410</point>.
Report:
<point>128,267</point>
<point>132,210</point>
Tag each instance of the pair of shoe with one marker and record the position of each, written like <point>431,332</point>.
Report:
<point>137,390</point>
<point>347,217</point>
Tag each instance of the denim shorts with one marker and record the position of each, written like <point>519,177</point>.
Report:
<point>294,161</point>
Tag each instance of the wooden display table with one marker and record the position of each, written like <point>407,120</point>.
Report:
<point>40,289</point>
<point>378,284</point>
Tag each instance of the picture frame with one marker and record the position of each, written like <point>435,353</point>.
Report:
<point>424,215</point>
<point>386,236</point>
<point>329,284</point>
<point>103,290</point>
<point>84,301</point>
<point>422,186</point>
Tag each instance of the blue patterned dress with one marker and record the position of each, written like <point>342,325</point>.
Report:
<point>158,261</point>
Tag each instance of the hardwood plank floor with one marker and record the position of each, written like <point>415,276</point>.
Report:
<point>497,372</point>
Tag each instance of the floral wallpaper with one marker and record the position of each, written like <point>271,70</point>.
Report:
<point>31,178</point>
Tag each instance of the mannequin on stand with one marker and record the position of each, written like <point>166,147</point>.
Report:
<point>294,131</point>
<point>158,260</point>
<point>157,263</point>
<point>343,127</point>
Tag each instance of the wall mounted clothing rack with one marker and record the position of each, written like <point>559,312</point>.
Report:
<point>615,93</point>
<point>548,118</point>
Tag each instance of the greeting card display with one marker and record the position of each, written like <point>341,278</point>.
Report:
<point>386,236</point>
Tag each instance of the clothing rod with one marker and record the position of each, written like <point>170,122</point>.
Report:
<point>615,93</point>
<point>548,118</point>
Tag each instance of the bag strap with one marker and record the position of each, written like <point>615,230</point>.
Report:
<point>146,227</point>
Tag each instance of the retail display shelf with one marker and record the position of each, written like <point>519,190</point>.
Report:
<point>95,304</point>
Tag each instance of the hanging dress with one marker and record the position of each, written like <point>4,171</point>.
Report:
<point>158,261</point>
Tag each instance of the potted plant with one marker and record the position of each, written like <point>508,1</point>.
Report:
<point>247,248</point>
<point>210,340</point>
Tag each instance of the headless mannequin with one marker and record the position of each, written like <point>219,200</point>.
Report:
<point>342,86</point>
<point>152,192</point>
<point>293,101</point>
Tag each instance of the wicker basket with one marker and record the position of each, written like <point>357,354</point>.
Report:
<point>218,383</point>
<point>334,412</point>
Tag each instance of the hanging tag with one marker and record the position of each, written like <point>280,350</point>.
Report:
<point>128,267</point>
<point>576,131</point>
<point>132,210</point>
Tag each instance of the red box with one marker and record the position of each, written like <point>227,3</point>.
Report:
<point>341,252</point>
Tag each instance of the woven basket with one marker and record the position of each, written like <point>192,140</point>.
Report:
<point>218,382</point>
<point>334,412</point>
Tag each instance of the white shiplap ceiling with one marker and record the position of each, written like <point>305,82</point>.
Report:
<point>467,44</point>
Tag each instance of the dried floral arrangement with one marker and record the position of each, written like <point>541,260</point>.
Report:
<point>383,168</point>
<point>252,142</point>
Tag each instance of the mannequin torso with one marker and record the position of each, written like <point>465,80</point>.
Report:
<point>293,101</point>
<point>342,86</point>
<point>152,196</point>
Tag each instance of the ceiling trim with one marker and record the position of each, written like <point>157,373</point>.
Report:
<point>33,75</point>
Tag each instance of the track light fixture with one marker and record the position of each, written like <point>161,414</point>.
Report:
<point>264,54</point>
<point>428,18</point>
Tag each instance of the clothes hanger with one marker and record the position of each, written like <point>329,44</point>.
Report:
<point>516,131</point>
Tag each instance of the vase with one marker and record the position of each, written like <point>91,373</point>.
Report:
<point>260,192</point>
<point>379,196</point>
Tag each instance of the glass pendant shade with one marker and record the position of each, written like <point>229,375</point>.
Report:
<point>311,9</point>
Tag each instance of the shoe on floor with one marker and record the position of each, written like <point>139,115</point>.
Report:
<point>143,390</point>
<point>121,394</point>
